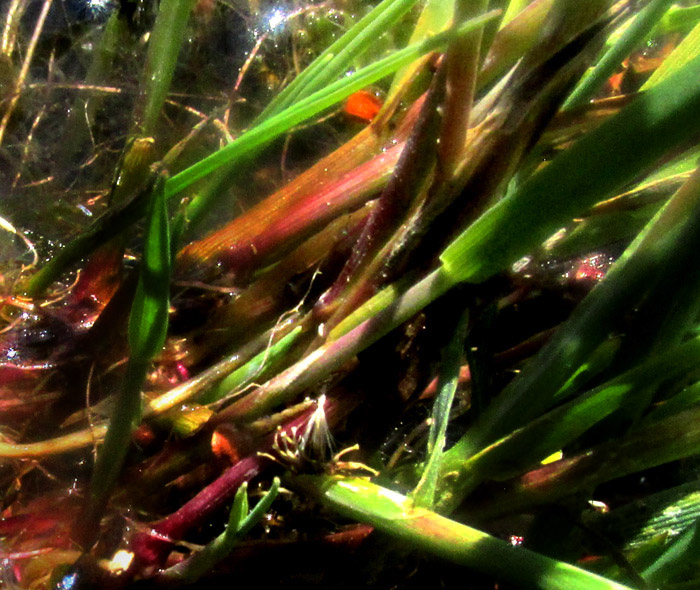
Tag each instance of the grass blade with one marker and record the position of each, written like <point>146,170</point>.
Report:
<point>240,523</point>
<point>661,245</point>
<point>590,171</point>
<point>396,515</point>
<point>634,34</point>
<point>687,50</point>
<point>424,494</point>
<point>540,438</point>
<point>334,61</point>
<point>163,49</point>
<point>148,324</point>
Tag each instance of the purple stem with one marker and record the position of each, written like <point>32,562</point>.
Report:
<point>151,549</point>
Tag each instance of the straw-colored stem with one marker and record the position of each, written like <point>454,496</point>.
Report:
<point>24,70</point>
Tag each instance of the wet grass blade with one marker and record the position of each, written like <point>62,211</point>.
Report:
<point>290,215</point>
<point>674,563</point>
<point>667,440</point>
<point>687,50</point>
<point>397,516</point>
<point>435,16</point>
<point>514,40</point>
<point>148,325</point>
<point>148,322</point>
<point>634,34</point>
<point>264,361</point>
<point>524,448</point>
<point>514,8</point>
<point>462,60</point>
<point>678,19</point>
<point>670,240</point>
<point>163,49</point>
<point>592,170</point>
<point>334,61</point>
<point>424,494</point>
<point>368,264</point>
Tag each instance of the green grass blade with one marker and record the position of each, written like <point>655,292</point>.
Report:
<point>683,400</point>
<point>397,516</point>
<point>687,50</point>
<point>424,494</point>
<point>677,557</point>
<point>240,523</point>
<point>592,170</point>
<point>163,49</point>
<point>678,19</point>
<point>530,444</point>
<point>513,8</point>
<point>661,442</point>
<point>514,40</point>
<point>643,520</point>
<point>435,16</point>
<point>111,455</point>
<point>148,324</point>
<point>634,34</point>
<point>260,363</point>
<point>239,510</point>
<point>661,245</point>
<point>259,510</point>
<point>334,61</point>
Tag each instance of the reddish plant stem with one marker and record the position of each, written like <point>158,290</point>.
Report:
<point>406,184</point>
<point>151,549</point>
<point>270,230</point>
<point>461,65</point>
<point>338,183</point>
<point>333,356</point>
<point>266,299</point>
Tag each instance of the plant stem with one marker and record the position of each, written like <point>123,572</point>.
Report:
<point>534,390</point>
<point>462,63</point>
<point>239,526</point>
<point>424,494</point>
<point>331,357</point>
<point>151,549</point>
<point>396,515</point>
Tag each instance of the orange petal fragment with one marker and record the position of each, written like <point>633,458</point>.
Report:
<point>363,105</point>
